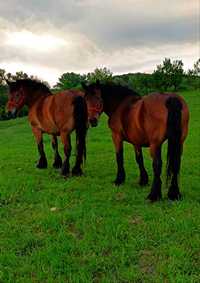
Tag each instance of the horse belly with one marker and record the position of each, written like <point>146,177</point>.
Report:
<point>43,121</point>
<point>136,136</point>
<point>48,125</point>
<point>45,127</point>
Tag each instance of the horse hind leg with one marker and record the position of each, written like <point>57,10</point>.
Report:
<point>80,151</point>
<point>76,170</point>
<point>57,159</point>
<point>65,138</point>
<point>42,162</point>
<point>118,142</point>
<point>143,173</point>
<point>174,192</point>
<point>155,193</point>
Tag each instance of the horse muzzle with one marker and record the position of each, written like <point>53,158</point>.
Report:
<point>93,122</point>
<point>12,113</point>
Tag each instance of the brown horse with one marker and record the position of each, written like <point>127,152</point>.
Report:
<point>56,115</point>
<point>144,122</point>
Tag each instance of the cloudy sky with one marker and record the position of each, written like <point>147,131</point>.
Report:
<point>48,37</point>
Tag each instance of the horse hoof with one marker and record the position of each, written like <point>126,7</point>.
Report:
<point>42,165</point>
<point>77,172</point>
<point>174,196</point>
<point>143,183</point>
<point>65,173</point>
<point>57,162</point>
<point>144,180</point>
<point>57,165</point>
<point>154,197</point>
<point>118,182</point>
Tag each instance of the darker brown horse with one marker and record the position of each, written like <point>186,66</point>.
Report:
<point>56,115</point>
<point>144,122</point>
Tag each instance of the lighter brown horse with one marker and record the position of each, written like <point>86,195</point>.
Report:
<point>56,115</point>
<point>144,122</point>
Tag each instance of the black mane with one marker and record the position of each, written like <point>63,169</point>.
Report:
<point>112,94</point>
<point>115,89</point>
<point>33,85</point>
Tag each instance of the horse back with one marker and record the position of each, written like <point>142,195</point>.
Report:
<point>54,113</point>
<point>126,114</point>
<point>144,121</point>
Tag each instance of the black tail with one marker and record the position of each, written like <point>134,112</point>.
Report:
<point>81,121</point>
<point>174,132</point>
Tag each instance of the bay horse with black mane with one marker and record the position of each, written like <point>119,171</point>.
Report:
<point>144,122</point>
<point>56,115</point>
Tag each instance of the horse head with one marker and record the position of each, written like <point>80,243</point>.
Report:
<point>16,97</point>
<point>94,102</point>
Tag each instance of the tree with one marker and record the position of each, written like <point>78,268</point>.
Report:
<point>69,81</point>
<point>101,74</point>
<point>197,68</point>
<point>2,76</point>
<point>169,74</point>
<point>177,74</point>
<point>161,75</point>
<point>142,83</point>
<point>193,75</point>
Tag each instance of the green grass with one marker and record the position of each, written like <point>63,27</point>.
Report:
<point>95,231</point>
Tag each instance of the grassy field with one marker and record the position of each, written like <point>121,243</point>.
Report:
<point>87,230</point>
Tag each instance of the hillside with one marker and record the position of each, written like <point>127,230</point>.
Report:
<point>87,230</point>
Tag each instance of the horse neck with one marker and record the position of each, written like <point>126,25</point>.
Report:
<point>112,98</point>
<point>111,102</point>
<point>32,97</point>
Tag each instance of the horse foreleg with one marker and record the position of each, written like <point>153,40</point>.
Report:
<point>65,138</point>
<point>77,171</point>
<point>57,159</point>
<point>42,162</point>
<point>118,142</point>
<point>143,173</point>
<point>155,193</point>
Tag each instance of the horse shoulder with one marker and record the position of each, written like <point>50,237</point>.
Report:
<point>33,114</point>
<point>115,121</point>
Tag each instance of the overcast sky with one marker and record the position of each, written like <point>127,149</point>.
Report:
<point>48,37</point>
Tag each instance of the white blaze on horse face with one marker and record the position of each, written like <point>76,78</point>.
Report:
<point>13,111</point>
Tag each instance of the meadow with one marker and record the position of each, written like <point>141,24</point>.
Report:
<point>85,229</point>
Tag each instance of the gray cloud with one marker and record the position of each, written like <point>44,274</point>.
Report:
<point>123,35</point>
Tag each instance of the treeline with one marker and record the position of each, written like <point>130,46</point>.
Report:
<point>168,76</point>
